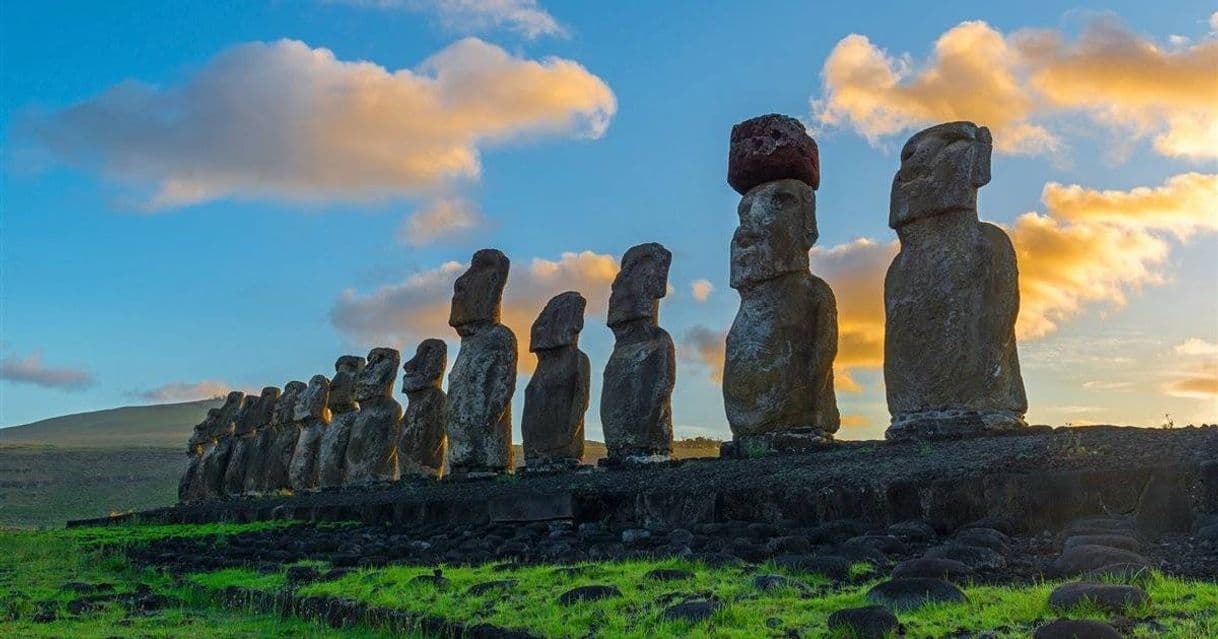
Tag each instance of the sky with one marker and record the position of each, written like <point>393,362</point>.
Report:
<point>196,197</point>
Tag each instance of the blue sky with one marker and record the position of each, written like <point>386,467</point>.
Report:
<point>109,294</point>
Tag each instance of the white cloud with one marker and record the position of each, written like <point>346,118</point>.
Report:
<point>445,217</point>
<point>286,121</point>
<point>31,370</point>
<point>525,17</point>
<point>185,391</point>
<point>1194,346</point>
<point>701,289</point>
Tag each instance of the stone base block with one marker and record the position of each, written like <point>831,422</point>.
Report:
<point>790,441</point>
<point>953,424</point>
<point>635,461</point>
<point>548,466</point>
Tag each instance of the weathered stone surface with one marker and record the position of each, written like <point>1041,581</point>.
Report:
<point>778,370</point>
<point>558,392</point>
<point>972,556</point>
<point>424,442</point>
<point>933,568</point>
<point>1110,597</point>
<point>216,454</point>
<point>1076,629</point>
<point>771,147</point>
<point>868,622</point>
<point>331,457</point>
<point>1080,559</point>
<point>246,457</point>
<point>372,450</point>
<point>313,415</point>
<point>483,379</point>
<point>1124,542</point>
<point>1164,506</point>
<point>951,295</point>
<point>277,442</point>
<point>909,594</point>
<point>191,485</point>
<point>636,395</point>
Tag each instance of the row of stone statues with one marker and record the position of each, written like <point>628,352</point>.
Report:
<point>951,366</point>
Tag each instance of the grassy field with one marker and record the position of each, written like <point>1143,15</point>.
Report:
<point>156,426</point>
<point>36,565</point>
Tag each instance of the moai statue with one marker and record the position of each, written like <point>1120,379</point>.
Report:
<point>372,451</point>
<point>424,442</point>
<point>636,397</point>
<point>331,457</point>
<point>312,414</point>
<point>778,369</point>
<point>220,447</point>
<point>191,484</point>
<point>951,295</point>
<point>277,442</point>
<point>483,379</point>
<point>246,459</point>
<point>557,395</point>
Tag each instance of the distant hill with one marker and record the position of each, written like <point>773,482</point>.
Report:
<point>158,426</point>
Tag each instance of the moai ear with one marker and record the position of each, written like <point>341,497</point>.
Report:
<point>982,149</point>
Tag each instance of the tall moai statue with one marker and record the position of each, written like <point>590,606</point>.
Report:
<point>372,451</point>
<point>557,395</point>
<point>636,396</point>
<point>277,442</point>
<point>243,437</point>
<point>220,447</point>
<point>332,456</point>
<point>190,486</point>
<point>424,442</point>
<point>483,379</point>
<point>255,422</point>
<point>951,295</point>
<point>313,415</point>
<point>778,370</point>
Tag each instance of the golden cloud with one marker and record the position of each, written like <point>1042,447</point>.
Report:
<point>701,289</point>
<point>444,217</point>
<point>284,120</point>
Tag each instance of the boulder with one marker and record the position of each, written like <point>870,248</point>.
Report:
<point>1124,542</point>
<point>1076,629</point>
<point>909,594</point>
<point>593,592</point>
<point>1114,598</point>
<point>1164,506</point>
<point>771,583</point>
<point>868,622</point>
<point>933,568</point>
<point>692,611</point>
<point>973,556</point>
<point>1080,559</point>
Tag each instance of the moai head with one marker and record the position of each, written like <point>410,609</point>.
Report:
<point>285,406</point>
<point>426,368</point>
<point>941,169</point>
<point>203,430</point>
<point>376,380</point>
<point>640,284</point>
<point>477,294</point>
<point>258,412</point>
<point>559,323</point>
<point>342,387</point>
<point>227,420</point>
<point>777,228</point>
<point>311,403</point>
<point>244,420</point>
<point>771,147</point>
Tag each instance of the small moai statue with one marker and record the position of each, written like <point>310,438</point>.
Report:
<point>778,367</point>
<point>636,396</point>
<point>557,395</point>
<point>254,415</point>
<point>483,379</point>
<point>331,457</point>
<point>257,420</point>
<point>278,440</point>
<point>951,295</point>
<point>220,447</point>
<point>191,484</point>
<point>313,415</point>
<point>424,442</point>
<point>372,451</point>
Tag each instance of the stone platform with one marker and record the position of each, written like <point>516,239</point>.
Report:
<point>1040,479</point>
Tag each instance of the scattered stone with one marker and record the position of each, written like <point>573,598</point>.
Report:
<point>331,457</point>
<point>951,296</point>
<point>490,586</point>
<point>588,593</point>
<point>304,473</point>
<point>768,148</point>
<point>834,532</point>
<point>1112,598</point>
<point>635,535</point>
<point>424,442</point>
<point>887,544</point>
<point>912,530</point>
<point>868,622</point>
<point>770,583</point>
<point>835,568</point>
<point>1002,524</point>
<point>692,611</point>
<point>1080,559</point>
<point>372,449</point>
<point>933,568</point>
<point>636,395</point>
<point>982,539</point>
<point>483,379</point>
<point>436,578</point>
<point>1134,574</point>
<point>557,395</point>
<point>858,552</point>
<point>975,557</point>
<point>1123,542</point>
<point>1076,629</point>
<point>908,594</point>
<point>669,574</point>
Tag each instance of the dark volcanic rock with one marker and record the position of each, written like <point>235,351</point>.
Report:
<point>1110,597</point>
<point>836,568</point>
<point>981,538</point>
<point>770,583</point>
<point>1124,542</point>
<point>973,556</point>
<point>692,611</point>
<point>1080,559</point>
<point>1134,574</point>
<point>933,568</point>
<point>771,147</point>
<point>912,530</point>
<point>669,574</point>
<point>490,586</point>
<point>1164,506</point>
<point>868,622</point>
<point>1076,629</point>
<point>908,594</point>
<point>588,593</point>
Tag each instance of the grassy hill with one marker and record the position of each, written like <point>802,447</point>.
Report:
<point>158,426</point>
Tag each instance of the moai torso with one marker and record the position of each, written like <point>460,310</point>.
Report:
<point>483,379</point>
<point>312,414</point>
<point>372,450</point>
<point>241,445</point>
<point>332,453</point>
<point>219,448</point>
<point>280,440</point>
<point>424,443</point>
<point>190,487</point>
<point>636,395</point>
<point>257,422</point>
<point>557,395</point>
<point>951,295</point>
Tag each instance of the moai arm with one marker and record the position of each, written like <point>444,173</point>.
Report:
<point>579,406</point>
